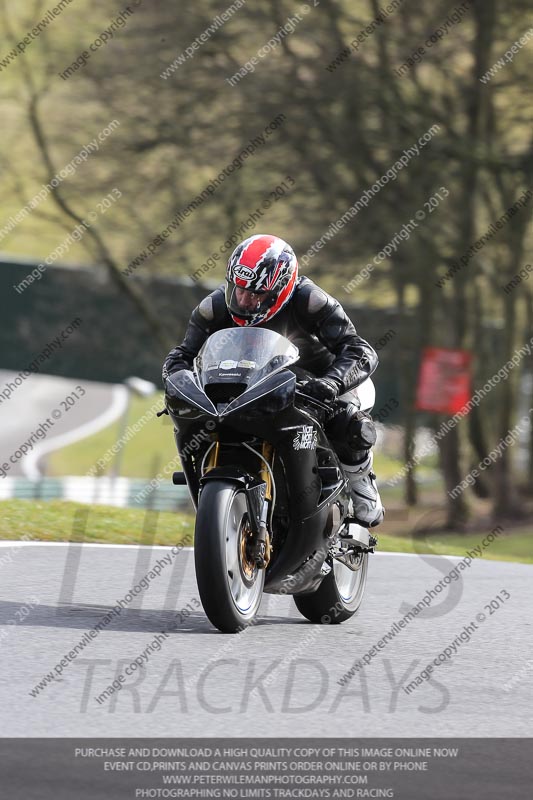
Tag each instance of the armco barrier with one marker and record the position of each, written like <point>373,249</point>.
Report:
<point>120,492</point>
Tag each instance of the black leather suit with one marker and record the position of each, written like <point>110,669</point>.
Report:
<point>314,321</point>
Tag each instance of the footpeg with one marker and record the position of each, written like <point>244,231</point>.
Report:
<point>355,537</point>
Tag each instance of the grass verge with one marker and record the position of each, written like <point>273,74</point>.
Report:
<point>153,446</point>
<point>141,457</point>
<point>54,521</point>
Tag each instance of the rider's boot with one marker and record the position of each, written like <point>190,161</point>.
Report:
<point>368,508</point>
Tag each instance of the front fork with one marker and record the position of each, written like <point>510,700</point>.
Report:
<point>259,547</point>
<point>262,546</point>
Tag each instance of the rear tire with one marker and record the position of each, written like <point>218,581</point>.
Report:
<point>230,586</point>
<point>339,595</point>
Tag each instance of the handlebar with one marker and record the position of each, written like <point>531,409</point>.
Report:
<point>300,392</point>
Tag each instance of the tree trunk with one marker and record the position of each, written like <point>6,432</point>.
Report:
<point>529,335</point>
<point>484,17</point>
<point>476,428</point>
<point>449,449</point>
<point>478,442</point>
<point>506,502</point>
<point>124,284</point>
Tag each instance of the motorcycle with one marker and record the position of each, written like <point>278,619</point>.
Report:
<point>274,511</point>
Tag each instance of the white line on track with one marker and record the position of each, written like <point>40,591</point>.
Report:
<point>17,543</point>
<point>116,408</point>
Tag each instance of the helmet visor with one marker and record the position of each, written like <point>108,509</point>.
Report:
<point>246,303</point>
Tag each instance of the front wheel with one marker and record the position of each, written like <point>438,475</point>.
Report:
<point>229,583</point>
<point>339,595</point>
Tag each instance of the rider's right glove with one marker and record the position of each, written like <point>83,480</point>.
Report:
<point>325,389</point>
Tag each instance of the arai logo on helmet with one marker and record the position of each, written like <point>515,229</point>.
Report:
<point>243,272</point>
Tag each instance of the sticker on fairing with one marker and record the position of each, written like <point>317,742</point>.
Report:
<point>228,365</point>
<point>306,439</point>
<point>245,364</point>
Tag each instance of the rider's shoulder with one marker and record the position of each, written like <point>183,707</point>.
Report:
<point>213,306</point>
<point>309,298</point>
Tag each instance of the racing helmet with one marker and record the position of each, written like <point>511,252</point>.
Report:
<point>260,279</point>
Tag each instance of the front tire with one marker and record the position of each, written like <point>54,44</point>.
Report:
<point>230,585</point>
<point>339,595</point>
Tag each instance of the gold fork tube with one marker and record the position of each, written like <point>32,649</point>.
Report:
<point>267,451</point>
<point>212,461</point>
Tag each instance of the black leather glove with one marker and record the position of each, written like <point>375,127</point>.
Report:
<point>325,389</point>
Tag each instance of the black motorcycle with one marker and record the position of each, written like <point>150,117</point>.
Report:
<point>274,512</point>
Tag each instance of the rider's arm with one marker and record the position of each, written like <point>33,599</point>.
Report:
<point>203,322</point>
<point>355,358</point>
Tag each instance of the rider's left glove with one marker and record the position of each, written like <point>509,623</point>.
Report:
<point>325,389</point>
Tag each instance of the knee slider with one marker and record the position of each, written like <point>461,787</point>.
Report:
<point>353,428</point>
<point>364,430</point>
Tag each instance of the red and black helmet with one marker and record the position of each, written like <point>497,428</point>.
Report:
<point>260,279</point>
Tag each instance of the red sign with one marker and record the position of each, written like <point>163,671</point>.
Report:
<point>444,380</point>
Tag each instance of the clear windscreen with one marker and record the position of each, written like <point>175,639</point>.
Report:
<point>243,355</point>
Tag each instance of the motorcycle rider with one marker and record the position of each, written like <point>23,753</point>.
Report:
<point>262,287</point>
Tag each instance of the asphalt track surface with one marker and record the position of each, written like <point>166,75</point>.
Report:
<point>201,682</point>
<point>34,400</point>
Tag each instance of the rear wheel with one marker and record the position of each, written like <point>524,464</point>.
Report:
<point>229,583</point>
<point>339,595</point>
